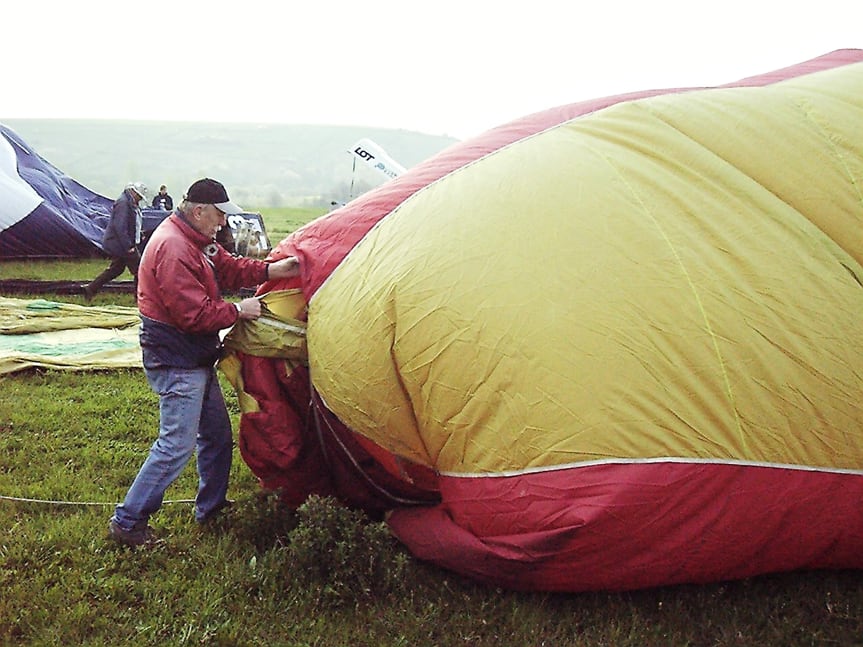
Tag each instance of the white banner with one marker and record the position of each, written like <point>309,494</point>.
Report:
<point>375,157</point>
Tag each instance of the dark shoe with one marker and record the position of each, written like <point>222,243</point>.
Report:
<point>227,504</point>
<point>136,537</point>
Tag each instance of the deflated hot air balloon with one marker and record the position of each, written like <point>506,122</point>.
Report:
<point>612,345</point>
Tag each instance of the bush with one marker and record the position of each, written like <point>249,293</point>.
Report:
<point>341,556</point>
<point>264,521</point>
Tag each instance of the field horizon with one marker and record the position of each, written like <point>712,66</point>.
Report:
<point>265,165</point>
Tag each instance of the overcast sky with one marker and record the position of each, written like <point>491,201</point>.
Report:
<point>448,67</point>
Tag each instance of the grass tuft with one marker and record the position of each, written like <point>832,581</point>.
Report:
<point>342,557</point>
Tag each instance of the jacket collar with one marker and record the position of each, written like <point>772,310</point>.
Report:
<point>190,232</point>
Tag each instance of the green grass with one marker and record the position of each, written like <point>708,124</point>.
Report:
<point>56,270</point>
<point>281,221</point>
<point>269,576</point>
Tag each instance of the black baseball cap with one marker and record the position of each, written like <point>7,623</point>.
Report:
<point>208,191</point>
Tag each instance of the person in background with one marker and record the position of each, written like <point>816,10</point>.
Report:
<point>183,272</point>
<point>121,237</point>
<point>162,200</point>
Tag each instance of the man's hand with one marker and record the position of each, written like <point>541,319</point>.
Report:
<point>285,269</point>
<point>249,308</point>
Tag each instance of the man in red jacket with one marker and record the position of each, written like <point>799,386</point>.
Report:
<point>180,281</point>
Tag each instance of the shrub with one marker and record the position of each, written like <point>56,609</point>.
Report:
<point>341,556</point>
<point>263,521</point>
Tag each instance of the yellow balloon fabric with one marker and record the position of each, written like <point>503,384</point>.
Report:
<point>674,277</point>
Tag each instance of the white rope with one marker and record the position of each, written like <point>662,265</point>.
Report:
<point>99,503</point>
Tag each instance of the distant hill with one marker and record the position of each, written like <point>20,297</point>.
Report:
<point>261,164</point>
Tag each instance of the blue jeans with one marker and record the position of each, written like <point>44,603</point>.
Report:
<point>192,414</point>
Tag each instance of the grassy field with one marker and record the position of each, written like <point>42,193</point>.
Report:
<point>71,443</point>
<point>281,221</point>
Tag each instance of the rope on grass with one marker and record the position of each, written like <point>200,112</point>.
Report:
<point>98,503</point>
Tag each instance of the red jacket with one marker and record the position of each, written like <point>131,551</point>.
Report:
<point>180,285</point>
